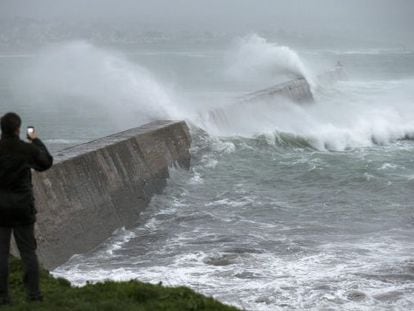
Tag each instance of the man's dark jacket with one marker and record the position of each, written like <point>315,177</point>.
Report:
<point>17,158</point>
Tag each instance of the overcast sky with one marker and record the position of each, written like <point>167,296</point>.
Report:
<point>376,18</point>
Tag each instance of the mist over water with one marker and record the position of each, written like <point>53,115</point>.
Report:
<point>286,206</point>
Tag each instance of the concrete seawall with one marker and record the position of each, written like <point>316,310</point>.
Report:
<point>297,91</point>
<point>97,187</point>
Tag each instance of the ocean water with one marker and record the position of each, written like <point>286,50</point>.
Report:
<point>285,207</point>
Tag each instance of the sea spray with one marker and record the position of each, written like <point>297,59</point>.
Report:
<point>255,59</point>
<point>342,118</point>
<point>82,77</point>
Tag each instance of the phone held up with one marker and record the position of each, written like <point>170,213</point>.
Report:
<point>30,131</point>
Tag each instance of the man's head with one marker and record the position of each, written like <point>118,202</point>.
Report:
<point>10,124</point>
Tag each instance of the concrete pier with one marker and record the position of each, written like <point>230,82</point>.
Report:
<point>295,90</point>
<point>97,187</point>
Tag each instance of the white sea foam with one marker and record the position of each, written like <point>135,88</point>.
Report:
<point>196,179</point>
<point>119,238</point>
<point>265,282</point>
<point>388,166</point>
<point>354,114</point>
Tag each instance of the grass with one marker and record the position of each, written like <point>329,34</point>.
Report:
<point>132,295</point>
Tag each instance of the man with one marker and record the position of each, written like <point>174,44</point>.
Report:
<point>17,211</point>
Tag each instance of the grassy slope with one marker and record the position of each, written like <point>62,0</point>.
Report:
<point>133,295</point>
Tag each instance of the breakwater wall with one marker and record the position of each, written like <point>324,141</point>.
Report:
<point>97,187</point>
<point>297,91</point>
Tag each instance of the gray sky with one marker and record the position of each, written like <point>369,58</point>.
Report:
<point>374,18</point>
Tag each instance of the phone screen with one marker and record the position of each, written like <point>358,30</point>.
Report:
<point>30,130</point>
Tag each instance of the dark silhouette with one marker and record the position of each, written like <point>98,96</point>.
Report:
<point>17,210</point>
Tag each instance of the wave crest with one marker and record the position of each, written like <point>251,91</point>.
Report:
<point>255,59</point>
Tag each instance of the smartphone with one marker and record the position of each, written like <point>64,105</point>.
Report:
<point>30,131</point>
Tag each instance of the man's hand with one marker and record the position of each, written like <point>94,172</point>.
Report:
<point>32,135</point>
